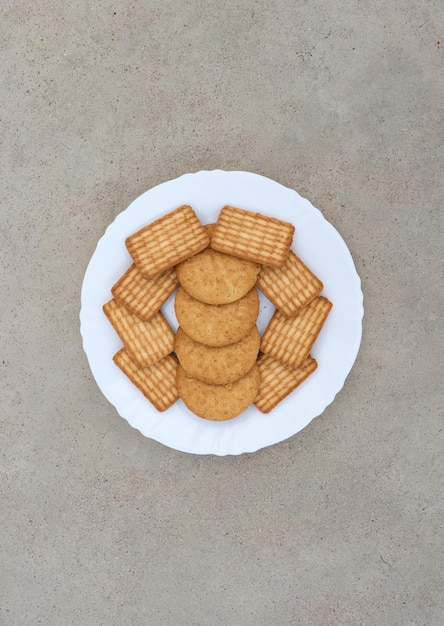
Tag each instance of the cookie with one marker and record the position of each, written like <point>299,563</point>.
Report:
<point>216,278</point>
<point>157,382</point>
<point>167,241</point>
<point>146,342</point>
<point>144,297</point>
<point>218,402</point>
<point>252,236</point>
<point>289,340</point>
<point>217,366</point>
<point>278,380</point>
<point>290,288</point>
<point>216,324</point>
<point>209,229</point>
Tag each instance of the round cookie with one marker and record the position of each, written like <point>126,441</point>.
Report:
<point>216,324</point>
<point>218,402</point>
<point>217,366</point>
<point>216,278</point>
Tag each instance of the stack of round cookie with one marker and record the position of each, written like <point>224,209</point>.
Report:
<point>217,342</point>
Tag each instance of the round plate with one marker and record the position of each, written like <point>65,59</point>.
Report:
<point>316,242</point>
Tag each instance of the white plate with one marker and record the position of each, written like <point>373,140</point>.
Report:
<point>318,244</point>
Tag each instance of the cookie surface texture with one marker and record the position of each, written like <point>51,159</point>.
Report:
<point>278,381</point>
<point>217,366</point>
<point>216,278</point>
<point>289,340</point>
<point>144,297</point>
<point>252,236</point>
<point>218,402</point>
<point>146,342</point>
<point>157,382</point>
<point>216,324</point>
<point>167,241</point>
<point>290,288</point>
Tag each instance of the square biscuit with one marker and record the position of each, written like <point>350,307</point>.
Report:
<point>290,339</point>
<point>290,288</point>
<point>157,382</point>
<point>252,236</point>
<point>146,342</point>
<point>278,380</point>
<point>144,297</point>
<point>167,241</point>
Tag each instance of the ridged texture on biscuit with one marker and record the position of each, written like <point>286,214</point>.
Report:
<point>157,382</point>
<point>278,380</point>
<point>218,402</point>
<point>144,297</point>
<point>252,236</point>
<point>217,366</point>
<point>146,342</point>
<point>289,340</point>
<point>216,324</point>
<point>167,241</point>
<point>290,288</point>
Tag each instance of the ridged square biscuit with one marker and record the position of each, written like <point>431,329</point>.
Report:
<point>146,342</point>
<point>252,236</point>
<point>278,380</point>
<point>157,382</point>
<point>144,297</point>
<point>289,340</point>
<point>167,241</point>
<point>291,287</point>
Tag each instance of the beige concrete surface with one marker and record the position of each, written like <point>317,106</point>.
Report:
<point>343,523</point>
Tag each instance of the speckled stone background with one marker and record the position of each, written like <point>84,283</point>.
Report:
<point>343,523</point>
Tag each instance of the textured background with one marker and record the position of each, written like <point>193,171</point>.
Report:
<point>342,523</point>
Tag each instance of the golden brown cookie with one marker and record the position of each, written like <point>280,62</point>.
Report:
<point>218,402</point>
<point>144,297</point>
<point>290,288</point>
<point>216,278</point>
<point>216,324</point>
<point>278,380</point>
<point>253,236</point>
<point>209,229</point>
<point>290,339</point>
<point>157,382</point>
<point>146,342</point>
<point>167,241</point>
<point>217,366</point>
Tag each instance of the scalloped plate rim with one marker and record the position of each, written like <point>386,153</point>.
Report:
<point>190,178</point>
